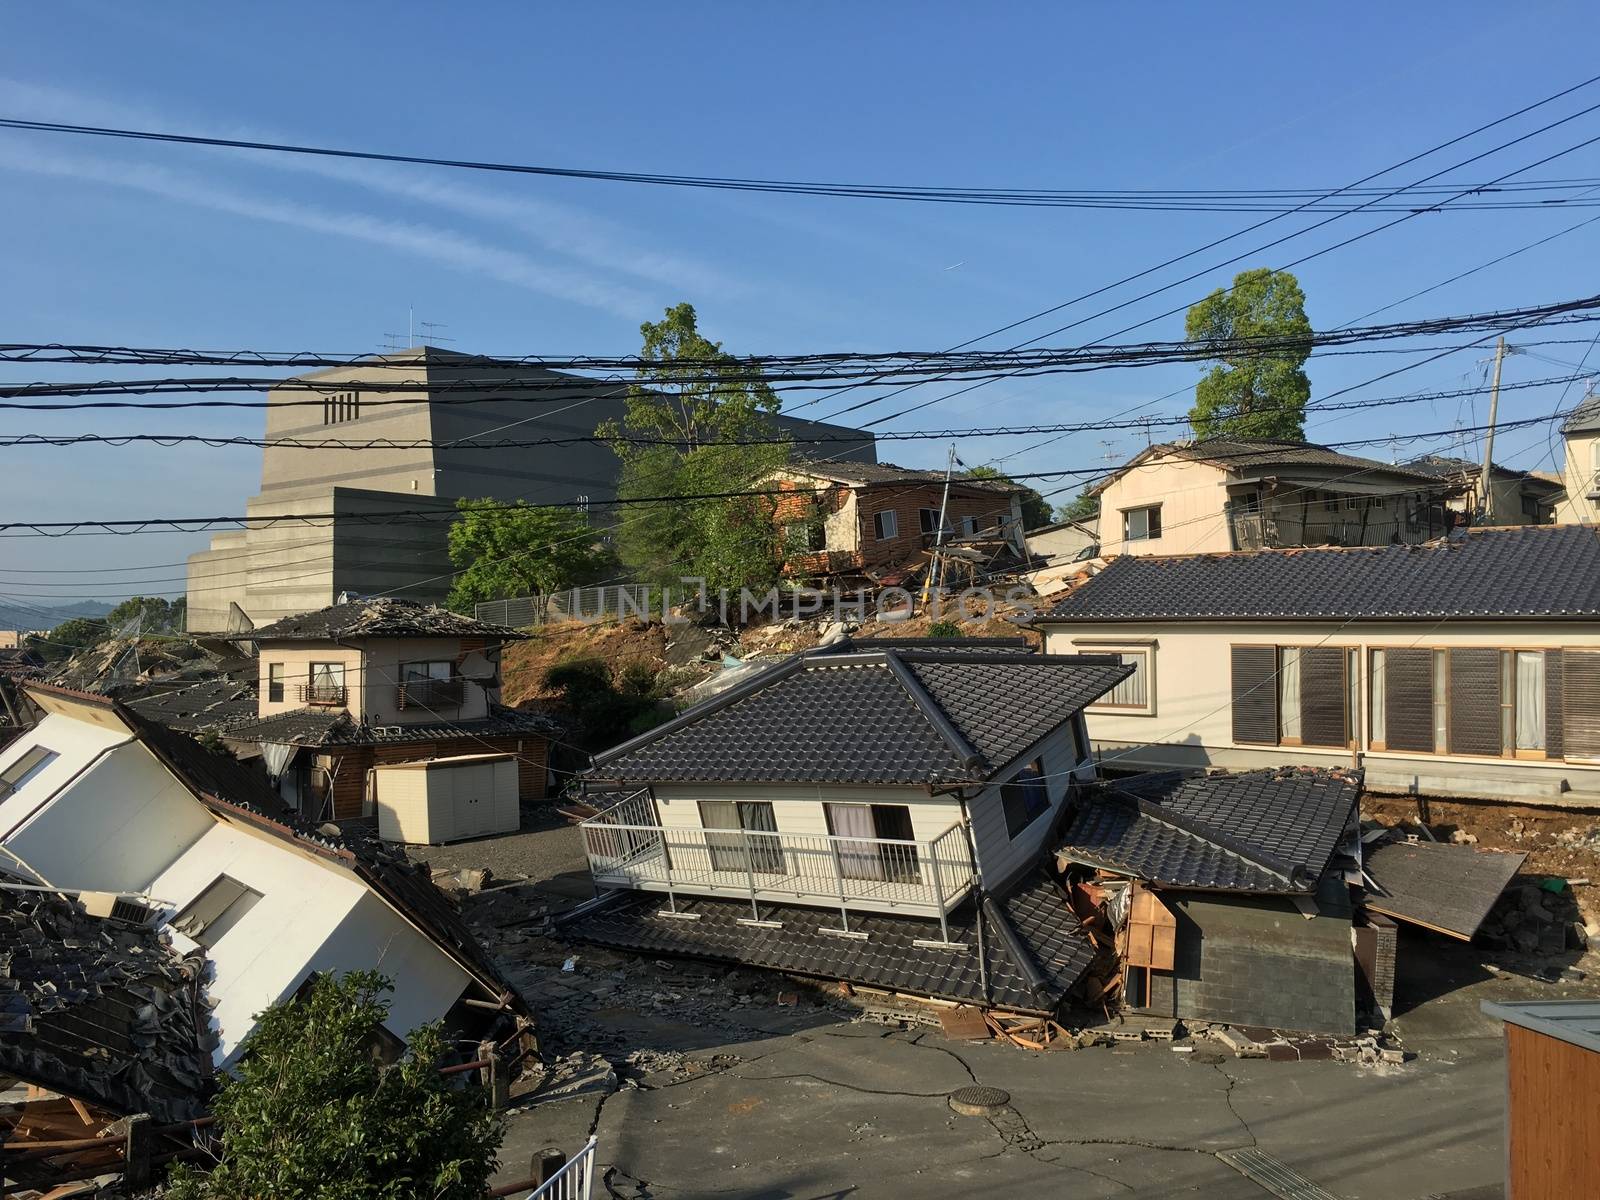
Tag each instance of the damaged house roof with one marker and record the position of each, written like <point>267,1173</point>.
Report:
<point>1253,456</point>
<point>1268,831</point>
<point>378,618</point>
<point>885,716</point>
<point>335,727</point>
<point>1534,571</point>
<point>862,474</point>
<point>1034,950</point>
<point>105,1011</point>
<point>195,707</point>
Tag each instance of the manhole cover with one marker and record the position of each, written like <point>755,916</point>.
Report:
<point>979,1101</point>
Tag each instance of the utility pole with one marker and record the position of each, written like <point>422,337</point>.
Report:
<point>938,541</point>
<point>1485,483</point>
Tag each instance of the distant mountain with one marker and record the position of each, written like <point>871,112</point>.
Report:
<point>49,616</point>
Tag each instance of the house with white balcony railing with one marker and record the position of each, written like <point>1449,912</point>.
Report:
<point>874,813</point>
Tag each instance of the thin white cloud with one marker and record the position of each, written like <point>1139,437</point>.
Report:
<point>556,227</point>
<point>445,246</point>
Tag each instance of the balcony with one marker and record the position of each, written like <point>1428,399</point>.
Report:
<point>431,695</point>
<point>628,848</point>
<point>1594,488</point>
<point>329,695</point>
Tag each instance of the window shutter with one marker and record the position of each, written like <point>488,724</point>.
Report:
<point>1323,697</point>
<point>1475,702</point>
<point>1408,699</point>
<point>1580,703</point>
<point>1552,704</point>
<point>1255,694</point>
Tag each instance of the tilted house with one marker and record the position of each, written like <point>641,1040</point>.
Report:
<point>1580,468</point>
<point>371,682</point>
<point>1249,882</point>
<point>855,518</point>
<point>101,803</point>
<point>874,815</point>
<point>1469,666</point>
<point>1515,497</point>
<point>1248,494</point>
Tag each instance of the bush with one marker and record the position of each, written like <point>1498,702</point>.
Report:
<point>314,1112</point>
<point>608,710</point>
<point>946,629</point>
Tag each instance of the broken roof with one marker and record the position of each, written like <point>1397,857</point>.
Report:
<point>865,474</point>
<point>1034,949</point>
<point>195,707</point>
<point>102,1010</point>
<point>1449,889</point>
<point>1250,456</point>
<point>1585,418</point>
<point>1532,571</point>
<point>1444,467</point>
<point>885,716</point>
<point>380,617</point>
<point>1268,831</point>
<point>335,727</point>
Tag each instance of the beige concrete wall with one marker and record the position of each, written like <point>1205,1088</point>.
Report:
<point>216,577</point>
<point>1063,543</point>
<point>1580,473</point>
<point>385,660</point>
<point>296,660</point>
<point>1190,723</point>
<point>1191,496</point>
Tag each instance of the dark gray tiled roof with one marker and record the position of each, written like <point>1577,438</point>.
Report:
<point>868,473</point>
<point>334,727</point>
<point>1585,418</point>
<point>958,645</point>
<point>102,1010</point>
<point>196,707</point>
<point>1550,571</point>
<point>1251,455</point>
<point>880,717</point>
<point>1044,925</point>
<point>1255,831</point>
<point>1444,467</point>
<point>381,617</point>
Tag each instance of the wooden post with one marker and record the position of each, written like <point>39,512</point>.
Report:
<point>495,1076</point>
<point>138,1151</point>
<point>548,1162</point>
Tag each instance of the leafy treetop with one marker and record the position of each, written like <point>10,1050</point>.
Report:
<point>514,550</point>
<point>1253,394</point>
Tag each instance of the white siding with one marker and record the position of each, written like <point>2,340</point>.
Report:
<point>798,810</point>
<point>1000,859</point>
<point>447,799</point>
<point>115,827</point>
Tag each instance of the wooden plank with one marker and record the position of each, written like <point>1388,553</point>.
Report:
<point>1551,1130</point>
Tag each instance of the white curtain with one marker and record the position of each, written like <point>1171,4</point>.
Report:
<point>857,860</point>
<point>275,756</point>
<point>1530,699</point>
<point>1378,710</point>
<point>1289,692</point>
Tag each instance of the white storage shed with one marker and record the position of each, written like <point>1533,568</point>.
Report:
<point>447,799</point>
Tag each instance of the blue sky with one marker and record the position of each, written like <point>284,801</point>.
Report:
<point>128,243</point>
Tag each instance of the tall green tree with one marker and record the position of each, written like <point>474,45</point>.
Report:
<point>315,1114</point>
<point>1035,508</point>
<point>1253,394</point>
<point>1085,506</point>
<point>514,550</point>
<point>690,395</point>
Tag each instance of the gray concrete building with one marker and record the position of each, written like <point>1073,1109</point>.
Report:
<point>377,517</point>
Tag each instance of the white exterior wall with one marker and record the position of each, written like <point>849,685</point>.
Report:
<point>106,820</point>
<point>1580,473</point>
<point>1000,859</point>
<point>799,811</point>
<point>1190,723</point>
<point>371,677</point>
<point>446,799</point>
<point>312,916</point>
<point>1192,496</point>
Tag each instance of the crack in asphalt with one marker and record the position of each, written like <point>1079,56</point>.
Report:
<point>921,1045</point>
<point>849,1087</point>
<point>1227,1097</point>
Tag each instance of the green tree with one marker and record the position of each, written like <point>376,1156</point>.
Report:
<point>609,706</point>
<point>514,550</point>
<point>154,614</point>
<point>690,395</point>
<point>67,638</point>
<point>1253,393</point>
<point>1035,508</point>
<point>315,1113</point>
<point>1085,506</point>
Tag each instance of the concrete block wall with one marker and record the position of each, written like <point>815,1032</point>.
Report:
<point>1258,961</point>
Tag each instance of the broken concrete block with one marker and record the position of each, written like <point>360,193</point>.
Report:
<point>1394,1057</point>
<point>1234,1040</point>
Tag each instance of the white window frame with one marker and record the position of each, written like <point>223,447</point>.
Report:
<point>885,525</point>
<point>1146,536</point>
<point>924,525</point>
<point>1146,650</point>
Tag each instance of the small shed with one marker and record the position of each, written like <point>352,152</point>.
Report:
<point>1552,1077</point>
<point>446,799</point>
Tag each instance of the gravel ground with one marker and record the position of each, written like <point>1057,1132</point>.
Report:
<point>546,850</point>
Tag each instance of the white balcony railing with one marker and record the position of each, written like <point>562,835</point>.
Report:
<point>627,847</point>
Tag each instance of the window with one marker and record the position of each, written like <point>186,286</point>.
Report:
<point>1353,503</point>
<point>1293,695</point>
<point>1134,691</point>
<point>327,684</point>
<point>413,671</point>
<point>216,910</point>
<point>274,683</point>
<point>34,759</point>
<point>1141,524</point>
<point>928,519</point>
<point>969,526</point>
<point>1529,685</point>
<point>1376,502</point>
<point>1025,797</point>
<point>871,858</point>
<point>803,537</point>
<point>1289,695</point>
<point>754,847</point>
<point>341,407</point>
<point>884,525</point>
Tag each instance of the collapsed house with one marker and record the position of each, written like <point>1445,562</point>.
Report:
<point>876,815</point>
<point>155,897</point>
<point>1230,893</point>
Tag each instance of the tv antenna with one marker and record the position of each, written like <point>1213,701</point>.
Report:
<point>429,337</point>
